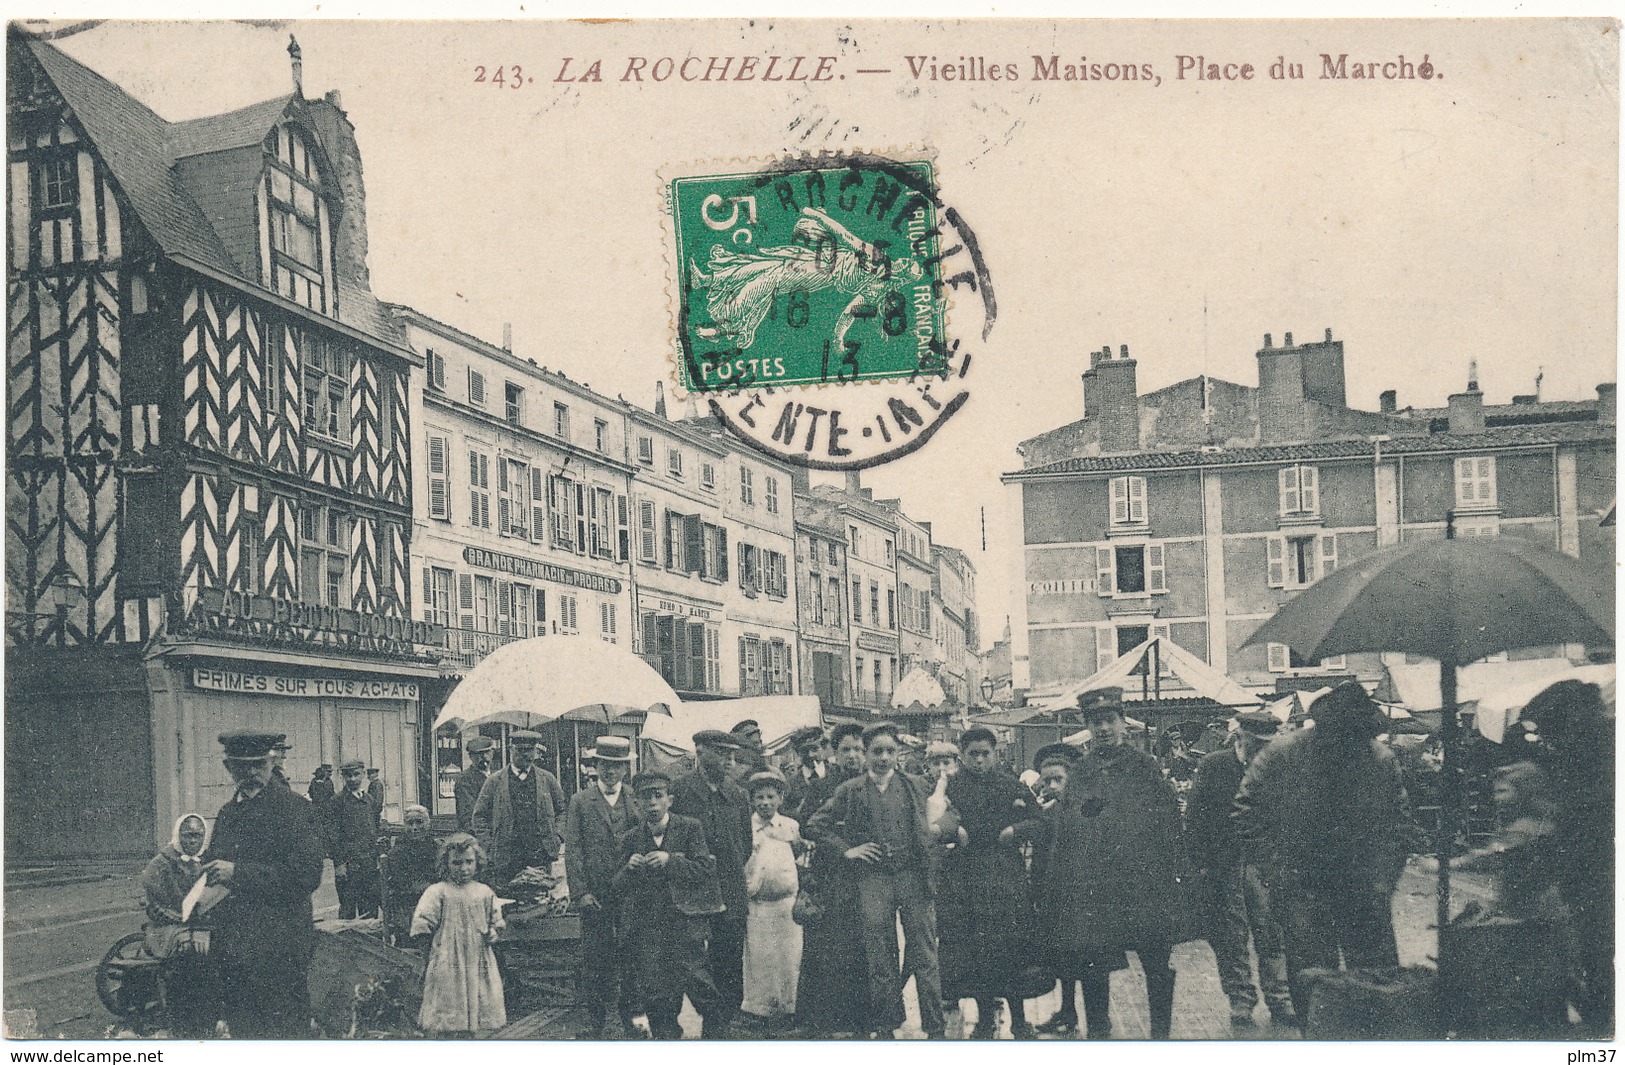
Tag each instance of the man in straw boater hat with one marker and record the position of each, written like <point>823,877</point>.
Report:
<point>267,853</point>
<point>1323,812</point>
<point>472,779</point>
<point>517,814</point>
<point>709,795</point>
<point>1236,898</point>
<point>599,815</point>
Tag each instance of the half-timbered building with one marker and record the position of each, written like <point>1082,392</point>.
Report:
<point>208,489</point>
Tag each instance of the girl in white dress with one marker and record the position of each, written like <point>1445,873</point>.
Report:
<point>772,937</point>
<point>462,991</point>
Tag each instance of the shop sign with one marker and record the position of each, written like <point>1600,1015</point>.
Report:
<point>229,680</point>
<point>870,641</point>
<point>536,570</point>
<point>671,606</point>
<point>272,622</point>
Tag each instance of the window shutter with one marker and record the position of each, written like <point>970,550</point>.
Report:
<point>713,660</point>
<point>623,529</point>
<point>1120,500</point>
<point>647,542</point>
<point>1105,647</point>
<point>538,504</point>
<point>541,612</point>
<point>744,566</point>
<point>651,636</point>
<point>1486,483</point>
<point>1309,479</point>
<point>743,674</point>
<point>761,564</point>
<point>594,503</point>
<point>1105,571</point>
<point>1275,555</point>
<point>1136,500</point>
<point>428,595</point>
<point>504,500</point>
<point>1287,487</point>
<point>1156,579</point>
<point>695,648</point>
<point>1328,553</point>
<point>465,607</point>
<point>504,608</point>
<point>439,503</point>
<point>1161,630</point>
<point>581,518</point>
<point>722,554</point>
<point>1280,658</point>
<point>476,388</point>
<point>1464,480</point>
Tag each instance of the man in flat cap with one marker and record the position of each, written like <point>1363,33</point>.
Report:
<point>517,814</point>
<point>352,843</point>
<point>1323,812</point>
<point>710,796</point>
<point>599,815</point>
<point>751,759</point>
<point>813,752</point>
<point>266,850</point>
<point>1236,900</point>
<point>279,755</point>
<point>472,779</point>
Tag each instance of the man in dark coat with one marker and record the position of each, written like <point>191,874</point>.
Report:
<point>279,755</point>
<point>666,885</point>
<point>813,751</point>
<point>983,910</point>
<point>266,851</point>
<point>599,815</point>
<point>321,788</point>
<point>1323,812</point>
<point>748,734</point>
<point>709,796</point>
<point>1235,898</point>
<point>832,991</point>
<point>472,779</point>
<point>352,843</point>
<point>877,821</point>
<point>1112,870</point>
<point>517,815</point>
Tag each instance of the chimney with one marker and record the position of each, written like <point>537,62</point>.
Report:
<point>800,481</point>
<point>507,336</point>
<point>297,58</point>
<point>1111,395</point>
<point>1280,393</point>
<point>332,96</point>
<point>854,483</point>
<point>1388,402</point>
<point>1467,408</point>
<point>660,398</point>
<point>1606,403</point>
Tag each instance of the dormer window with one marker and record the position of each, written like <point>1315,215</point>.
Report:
<point>300,265</point>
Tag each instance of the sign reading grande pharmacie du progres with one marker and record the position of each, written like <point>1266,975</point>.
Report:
<point>230,680</point>
<point>540,571</point>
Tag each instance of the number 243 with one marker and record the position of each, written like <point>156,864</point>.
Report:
<point>514,80</point>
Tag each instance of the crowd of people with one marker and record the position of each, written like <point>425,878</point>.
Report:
<point>772,901</point>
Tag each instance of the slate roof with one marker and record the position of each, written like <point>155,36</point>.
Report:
<point>156,165</point>
<point>1492,439</point>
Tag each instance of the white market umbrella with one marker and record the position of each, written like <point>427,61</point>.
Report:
<point>531,682</point>
<point>1499,709</point>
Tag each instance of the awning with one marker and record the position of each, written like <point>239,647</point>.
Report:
<point>1415,686</point>
<point>778,716</point>
<point>1187,676</point>
<point>921,687</point>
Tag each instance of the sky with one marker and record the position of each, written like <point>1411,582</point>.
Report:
<point>1426,222</point>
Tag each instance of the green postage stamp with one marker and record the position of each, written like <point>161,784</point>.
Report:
<point>809,275</point>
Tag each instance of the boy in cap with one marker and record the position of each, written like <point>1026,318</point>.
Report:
<point>266,850</point>
<point>1323,811</point>
<point>1237,900</point>
<point>666,886</point>
<point>472,779</point>
<point>321,785</point>
<point>878,822</point>
<point>812,751</point>
<point>352,843</point>
<point>599,815</point>
<point>709,796</point>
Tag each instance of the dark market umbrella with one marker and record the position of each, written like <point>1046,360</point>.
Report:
<point>1454,601</point>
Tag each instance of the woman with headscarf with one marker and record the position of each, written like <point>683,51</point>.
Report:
<point>188,976</point>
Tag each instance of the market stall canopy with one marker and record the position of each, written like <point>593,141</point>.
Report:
<point>1500,708</point>
<point>531,682</point>
<point>1186,676</point>
<point>1294,704</point>
<point>778,716</point>
<point>1415,686</point>
<point>918,686</point>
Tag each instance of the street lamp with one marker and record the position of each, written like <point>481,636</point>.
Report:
<point>987,690</point>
